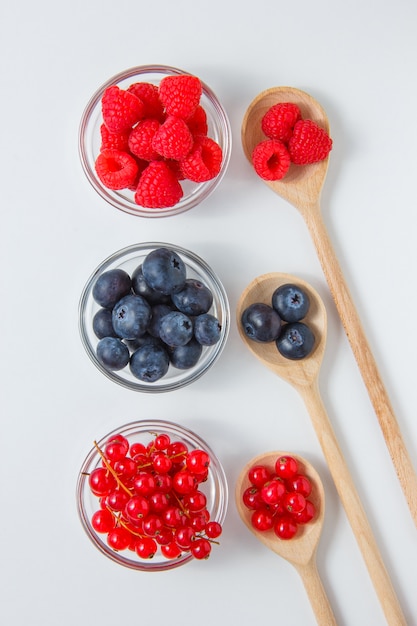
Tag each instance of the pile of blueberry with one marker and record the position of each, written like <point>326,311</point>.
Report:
<point>153,318</point>
<point>281,322</point>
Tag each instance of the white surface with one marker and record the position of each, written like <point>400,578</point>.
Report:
<point>358,60</point>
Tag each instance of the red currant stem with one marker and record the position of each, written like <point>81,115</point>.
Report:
<point>203,536</point>
<point>182,507</point>
<point>111,470</point>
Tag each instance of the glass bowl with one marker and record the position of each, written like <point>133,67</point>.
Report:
<point>129,259</point>
<point>90,141</point>
<point>215,489</point>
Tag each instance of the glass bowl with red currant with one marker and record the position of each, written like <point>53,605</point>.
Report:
<point>152,496</point>
<point>154,317</point>
<point>154,141</point>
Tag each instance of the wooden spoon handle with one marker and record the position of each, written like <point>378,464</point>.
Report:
<point>352,504</point>
<point>365,360</point>
<point>316,593</point>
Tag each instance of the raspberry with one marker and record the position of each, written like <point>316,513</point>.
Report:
<point>116,141</point>
<point>180,95</point>
<point>204,161</point>
<point>197,122</point>
<point>271,159</point>
<point>279,121</point>
<point>158,187</point>
<point>173,140</point>
<point>116,169</point>
<point>149,94</point>
<point>309,143</point>
<point>140,139</point>
<point>121,109</point>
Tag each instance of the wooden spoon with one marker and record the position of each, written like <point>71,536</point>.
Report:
<point>303,375</point>
<point>301,550</point>
<point>302,188</point>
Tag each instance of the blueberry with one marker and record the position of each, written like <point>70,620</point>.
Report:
<point>164,271</point>
<point>131,316</point>
<point>149,363</point>
<point>110,287</point>
<point>296,341</point>
<point>141,287</point>
<point>102,324</point>
<point>112,353</point>
<point>291,302</point>
<point>194,299</point>
<point>176,329</point>
<point>158,312</point>
<point>184,357</point>
<point>134,344</point>
<point>207,329</point>
<point>261,322</point>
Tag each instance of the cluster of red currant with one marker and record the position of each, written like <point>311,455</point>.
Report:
<point>150,498</point>
<point>279,498</point>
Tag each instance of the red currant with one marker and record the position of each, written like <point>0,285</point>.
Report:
<point>294,502</point>
<point>300,483</point>
<point>103,521</point>
<point>164,536</point>
<point>184,537</point>
<point>161,463</point>
<point>258,475</point>
<point>125,468</point>
<point>199,520</point>
<point>171,550</point>
<point>137,448</point>
<point>285,527</point>
<point>184,482</point>
<point>116,448</point>
<point>272,491</point>
<point>144,483</point>
<point>146,547</point>
<point>262,519</point>
<point>163,483</point>
<point>119,538</point>
<point>201,548</point>
<point>198,461</point>
<point>137,507</point>
<point>213,530</point>
<point>174,517</point>
<point>152,525</point>
<point>159,501</point>
<point>286,467</point>
<point>252,498</point>
<point>101,481</point>
<point>162,442</point>
<point>307,514</point>
<point>117,499</point>
<point>195,501</point>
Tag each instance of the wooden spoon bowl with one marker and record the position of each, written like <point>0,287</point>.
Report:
<point>299,372</point>
<point>301,185</point>
<point>301,550</point>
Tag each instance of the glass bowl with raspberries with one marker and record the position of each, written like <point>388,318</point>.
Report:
<point>154,141</point>
<point>154,317</point>
<point>152,496</point>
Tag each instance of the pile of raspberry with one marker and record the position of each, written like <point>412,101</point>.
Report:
<point>153,137</point>
<point>289,139</point>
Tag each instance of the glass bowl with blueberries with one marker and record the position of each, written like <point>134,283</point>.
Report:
<point>126,141</point>
<point>154,317</point>
<point>152,495</point>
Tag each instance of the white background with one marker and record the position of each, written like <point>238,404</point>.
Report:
<point>359,60</point>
